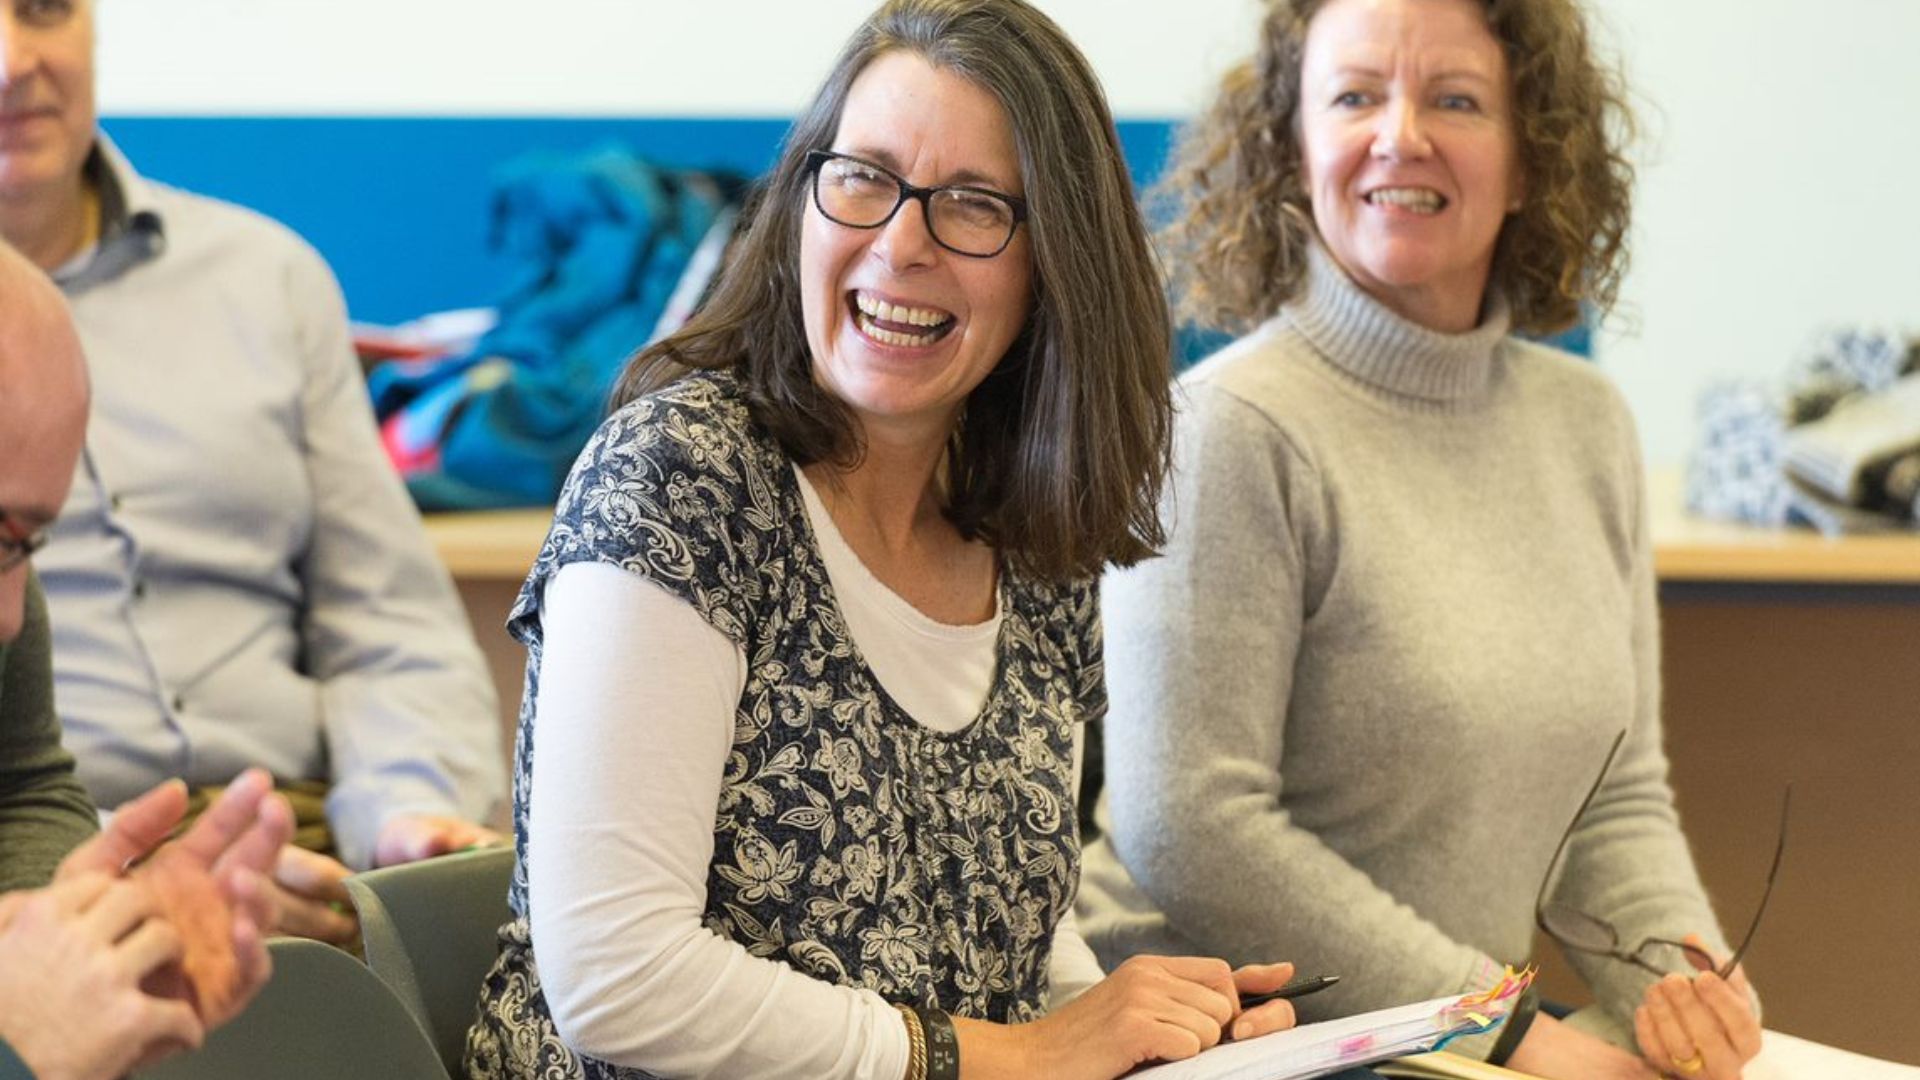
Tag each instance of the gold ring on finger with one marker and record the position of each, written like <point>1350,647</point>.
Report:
<point>1690,1065</point>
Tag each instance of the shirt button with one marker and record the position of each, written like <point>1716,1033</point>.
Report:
<point>115,501</point>
<point>140,590</point>
<point>179,702</point>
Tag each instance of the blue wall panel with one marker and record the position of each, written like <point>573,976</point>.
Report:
<point>399,205</point>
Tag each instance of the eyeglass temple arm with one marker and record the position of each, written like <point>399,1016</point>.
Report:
<point>1779,849</point>
<point>1546,881</point>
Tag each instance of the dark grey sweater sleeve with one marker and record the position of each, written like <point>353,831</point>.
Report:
<point>11,1067</point>
<point>44,812</point>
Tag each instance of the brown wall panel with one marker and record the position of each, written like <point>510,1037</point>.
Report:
<point>1821,687</point>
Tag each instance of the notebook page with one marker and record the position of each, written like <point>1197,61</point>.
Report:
<point>1783,1057</point>
<point>1310,1049</point>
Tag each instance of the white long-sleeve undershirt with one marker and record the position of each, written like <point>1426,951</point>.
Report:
<point>636,705</point>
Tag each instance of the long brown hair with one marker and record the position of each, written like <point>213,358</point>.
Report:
<point>1237,199</point>
<point>1060,455</point>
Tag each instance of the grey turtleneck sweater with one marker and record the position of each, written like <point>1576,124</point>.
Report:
<point>1406,604</point>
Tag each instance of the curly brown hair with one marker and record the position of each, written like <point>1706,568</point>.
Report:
<point>1236,197</point>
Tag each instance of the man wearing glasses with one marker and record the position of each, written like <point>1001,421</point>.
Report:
<point>93,967</point>
<point>44,812</point>
<point>238,578</point>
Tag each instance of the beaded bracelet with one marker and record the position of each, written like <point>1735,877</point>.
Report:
<point>916,1044</point>
<point>943,1045</point>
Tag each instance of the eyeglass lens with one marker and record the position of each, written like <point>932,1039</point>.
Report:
<point>16,544</point>
<point>865,196</point>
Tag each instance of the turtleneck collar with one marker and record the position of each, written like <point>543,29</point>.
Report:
<point>1358,335</point>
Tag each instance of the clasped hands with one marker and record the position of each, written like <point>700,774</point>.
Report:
<point>140,947</point>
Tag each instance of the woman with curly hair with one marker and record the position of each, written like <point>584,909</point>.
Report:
<point>1407,599</point>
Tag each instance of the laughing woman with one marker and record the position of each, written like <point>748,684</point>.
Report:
<point>1407,598</point>
<point>815,632</point>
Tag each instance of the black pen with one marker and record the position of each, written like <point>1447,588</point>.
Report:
<point>1294,989</point>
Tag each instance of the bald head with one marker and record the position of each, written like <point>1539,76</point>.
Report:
<point>43,410</point>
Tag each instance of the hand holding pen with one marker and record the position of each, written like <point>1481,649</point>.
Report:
<point>1300,987</point>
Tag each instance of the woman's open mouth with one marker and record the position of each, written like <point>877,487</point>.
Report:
<point>898,325</point>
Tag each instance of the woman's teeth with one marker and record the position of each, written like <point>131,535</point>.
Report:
<point>899,313</point>
<point>872,311</point>
<point>1418,200</point>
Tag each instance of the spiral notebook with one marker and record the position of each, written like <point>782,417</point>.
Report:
<point>1317,1049</point>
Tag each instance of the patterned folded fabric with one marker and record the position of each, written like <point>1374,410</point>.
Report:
<point>1735,471</point>
<point>1846,453</point>
<point>1839,362</point>
<point>610,252</point>
<point>1837,448</point>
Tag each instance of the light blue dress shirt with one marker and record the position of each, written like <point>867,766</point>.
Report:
<point>238,577</point>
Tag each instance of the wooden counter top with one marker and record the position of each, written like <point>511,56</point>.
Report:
<point>489,545</point>
<point>1688,549</point>
<point>500,545</point>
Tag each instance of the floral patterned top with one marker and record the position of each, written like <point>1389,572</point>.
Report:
<point>850,842</point>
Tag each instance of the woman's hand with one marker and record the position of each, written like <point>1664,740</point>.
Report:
<point>1151,1008</point>
<point>1261,1019</point>
<point>1556,1051</point>
<point>1701,1028</point>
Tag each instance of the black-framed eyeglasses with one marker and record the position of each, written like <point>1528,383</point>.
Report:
<point>1577,930</point>
<point>16,543</point>
<point>971,221</point>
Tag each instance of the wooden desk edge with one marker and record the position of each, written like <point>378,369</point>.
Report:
<point>1850,561</point>
<point>1691,549</point>
<point>500,545</point>
<point>1442,1065</point>
<point>489,545</point>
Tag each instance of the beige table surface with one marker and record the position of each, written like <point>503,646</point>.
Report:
<point>1687,548</point>
<point>499,545</point>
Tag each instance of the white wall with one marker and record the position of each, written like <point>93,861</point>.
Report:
<point>1779,191</point>
<point>1780,187</point>
<point>579,57</point>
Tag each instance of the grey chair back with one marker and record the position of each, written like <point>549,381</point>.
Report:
<point>431,931</point>
<point>322,1016</point>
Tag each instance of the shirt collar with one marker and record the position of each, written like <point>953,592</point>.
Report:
<point>132,229</point>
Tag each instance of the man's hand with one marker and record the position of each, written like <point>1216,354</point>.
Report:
<point>208,885</point>
<point>73,960</point>
<point>309,900</point>
<point>131,834</point>
<point>409,838</point>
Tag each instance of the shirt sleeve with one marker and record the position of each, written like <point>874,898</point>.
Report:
<point>11,1067</point>
<point>634,720</point>
<point>1072,967</point>
<point>44,812</point>
<point>670,489</point>
<point>1200,659</point>
<point>1627,860</point>
<point>412,722</point>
